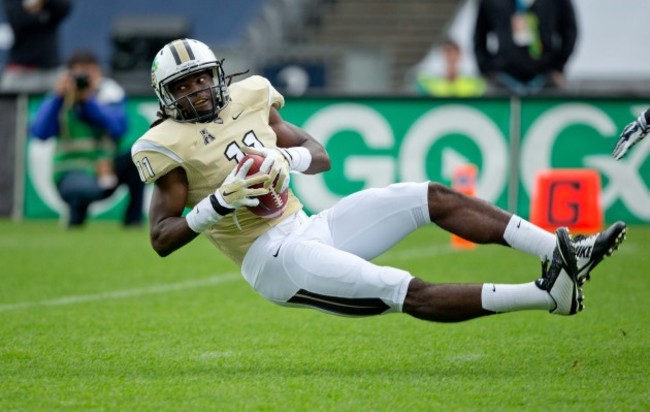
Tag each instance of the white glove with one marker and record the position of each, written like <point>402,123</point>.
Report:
<point>236,191</point>
<point>631,135</point>
<point>277,164</point>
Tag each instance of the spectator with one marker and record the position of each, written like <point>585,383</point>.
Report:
<point>87,115</point>
<point>534,40</point>
<point>452,82</point>
<point>34,59</point>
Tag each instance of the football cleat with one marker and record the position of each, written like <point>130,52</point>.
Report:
<point>560,277</point>
<point>591,250</point>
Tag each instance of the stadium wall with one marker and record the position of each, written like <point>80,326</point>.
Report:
<point>377,141</point>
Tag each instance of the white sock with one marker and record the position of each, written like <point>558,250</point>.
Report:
<point>508,298</point>
<point>526,237</point>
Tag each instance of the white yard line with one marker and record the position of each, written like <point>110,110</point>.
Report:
<point>126,293</point>
<point>406,254</point>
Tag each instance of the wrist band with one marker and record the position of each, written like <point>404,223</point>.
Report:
<point>300,158</point>
<point>218,206</point>
<point>202,216</point>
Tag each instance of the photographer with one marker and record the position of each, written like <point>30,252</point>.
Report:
<point>86,113</point>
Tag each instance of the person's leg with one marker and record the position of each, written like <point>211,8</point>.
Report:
<point>482,222</point>
<point>128,174</point>
<point>294,264</point>
<point>556,291</point>
<point>79,190</point>
<point>298,266</point>
<point>369,222</point>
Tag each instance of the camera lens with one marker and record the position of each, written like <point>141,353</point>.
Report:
<point>81,81</point>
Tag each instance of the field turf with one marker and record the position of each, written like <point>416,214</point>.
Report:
<point>93,320</point>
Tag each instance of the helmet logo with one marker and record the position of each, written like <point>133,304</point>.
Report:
<point>154,67</point>
<point>181,51</point>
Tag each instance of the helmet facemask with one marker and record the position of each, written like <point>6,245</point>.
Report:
<point>183,110</point>
<point>178,60</point>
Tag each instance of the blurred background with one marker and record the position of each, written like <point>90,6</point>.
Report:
<point>335,47</point>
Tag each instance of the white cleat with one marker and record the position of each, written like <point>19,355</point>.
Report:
<point>591,250</point>
<point>560,278</point>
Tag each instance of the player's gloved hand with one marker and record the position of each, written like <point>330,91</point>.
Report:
<point>277,164</point>
<point>631,135</point>
<point>236,191</point>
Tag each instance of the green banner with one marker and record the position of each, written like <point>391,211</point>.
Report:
<point>377,141</point>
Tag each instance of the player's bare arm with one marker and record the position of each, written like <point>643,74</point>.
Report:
<point>169,230</point>
<point>289,135</point>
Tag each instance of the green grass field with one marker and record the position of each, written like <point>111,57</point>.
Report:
<point>93,320</point>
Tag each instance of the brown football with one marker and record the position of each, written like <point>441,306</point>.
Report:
<point>271,204</point>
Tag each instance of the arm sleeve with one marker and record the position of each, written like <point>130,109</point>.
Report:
<point>110,117</point>
<point>46,120</point>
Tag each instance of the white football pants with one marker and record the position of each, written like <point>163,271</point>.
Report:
<point>322,261</point>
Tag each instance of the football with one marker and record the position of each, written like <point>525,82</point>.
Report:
<point>271,204</point>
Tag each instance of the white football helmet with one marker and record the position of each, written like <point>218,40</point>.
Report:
<point>178,59</point>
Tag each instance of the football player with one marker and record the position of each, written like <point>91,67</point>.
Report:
<point>323,261</point>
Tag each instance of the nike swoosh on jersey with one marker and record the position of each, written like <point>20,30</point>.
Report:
<point>236,115</point>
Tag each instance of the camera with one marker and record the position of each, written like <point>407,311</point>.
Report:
<point>81,80</point>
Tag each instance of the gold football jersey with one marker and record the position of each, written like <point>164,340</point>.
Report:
<point>209,151</point>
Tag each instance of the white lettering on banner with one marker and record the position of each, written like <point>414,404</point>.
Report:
<point>625,183</point>
<point>456,119</point>
<point>375,171</point>
<point>537,146</point>
<point>451,160</point>
<point>375,131</point>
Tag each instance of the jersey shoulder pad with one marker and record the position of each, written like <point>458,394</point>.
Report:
<point>257,86</point>
<point>153,159</point>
